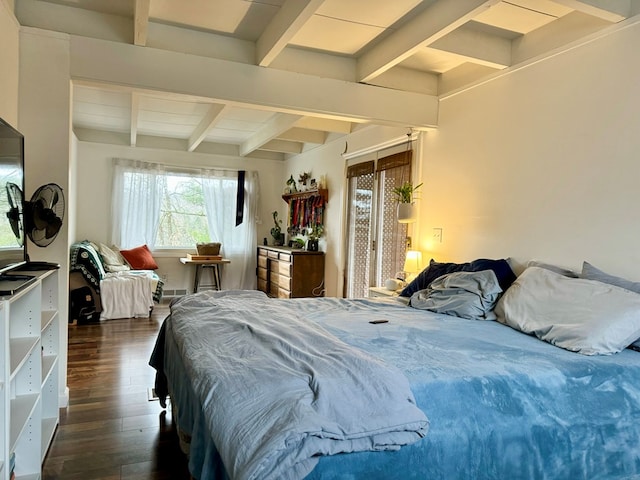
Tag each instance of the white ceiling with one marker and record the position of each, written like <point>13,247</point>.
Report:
<point>430,47</point>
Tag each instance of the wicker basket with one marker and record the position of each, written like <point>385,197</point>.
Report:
<point>208,248</point>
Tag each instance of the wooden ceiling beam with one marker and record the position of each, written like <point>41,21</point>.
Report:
<point>273,129</point>
<point>282,146</point>
<point>209,121</point>
<point>291,17</point>
<point>325,124</point>
<point>304,135</point>
<point>431,24</point>
<point>240,85</point>
<point>609,10</point>
<point>477,46</point>
<point>141,22</point>
<point>135,110</point>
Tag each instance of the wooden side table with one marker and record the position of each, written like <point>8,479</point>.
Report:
<point>200,265</point>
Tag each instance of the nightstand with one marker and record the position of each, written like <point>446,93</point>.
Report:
<point>382,292</point>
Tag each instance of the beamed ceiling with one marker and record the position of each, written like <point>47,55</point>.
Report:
<point>339,65</point>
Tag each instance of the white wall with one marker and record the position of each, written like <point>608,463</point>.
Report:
<point>328,160</point>
<point>94,187</point>
<point>543,162</point>
<point>45,121</point>
<point>9,58</point>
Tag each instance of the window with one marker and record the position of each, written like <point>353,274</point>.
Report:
<point>183,219</point>
<point>183,216</point>
<point>168,207</point>
<point>377,242</point>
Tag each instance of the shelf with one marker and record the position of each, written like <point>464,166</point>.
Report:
<point>29,376</point>
<point>47,318</point>
<point>20,348</point>
<point>21,409</point>
<point>48,362</point>
<point>48,429</point>
<point>323,192</point>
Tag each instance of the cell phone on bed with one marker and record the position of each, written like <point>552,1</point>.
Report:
<point>378,321</point>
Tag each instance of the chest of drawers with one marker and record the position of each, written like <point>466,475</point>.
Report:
<point>290,273</point>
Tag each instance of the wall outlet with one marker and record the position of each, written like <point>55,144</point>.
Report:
<point>437,235</point>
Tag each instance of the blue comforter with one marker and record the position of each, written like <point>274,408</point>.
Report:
<point>501,404</point>
<point>278,391</point>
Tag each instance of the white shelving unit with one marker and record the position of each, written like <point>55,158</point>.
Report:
<point>30,338</point>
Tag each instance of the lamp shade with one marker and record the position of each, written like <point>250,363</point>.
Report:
<point>413,261</point>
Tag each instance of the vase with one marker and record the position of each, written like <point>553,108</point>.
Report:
<point>406,213</point>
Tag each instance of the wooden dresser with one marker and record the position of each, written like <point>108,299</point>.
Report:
<point>290,272</point>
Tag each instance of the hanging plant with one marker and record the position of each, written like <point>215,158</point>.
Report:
<point>405,192</point>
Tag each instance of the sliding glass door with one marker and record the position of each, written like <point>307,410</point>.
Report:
<point>376,241</point>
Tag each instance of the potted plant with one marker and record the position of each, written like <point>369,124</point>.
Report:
<point>405,197</point>
<point>276,232</point>
<point>313,235</point>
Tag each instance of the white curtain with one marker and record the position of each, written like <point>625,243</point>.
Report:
<point>138,188</point>
<point>238,242</point>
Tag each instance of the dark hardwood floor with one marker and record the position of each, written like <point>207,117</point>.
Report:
<point>111,430</point>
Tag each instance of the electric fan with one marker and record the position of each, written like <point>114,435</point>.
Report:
<point>15,198</point>
<point>44,214</point>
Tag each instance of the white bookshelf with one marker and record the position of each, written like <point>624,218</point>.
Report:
<point>29,364</point>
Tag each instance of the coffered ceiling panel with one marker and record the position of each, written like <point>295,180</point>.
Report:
<point>311,70</point>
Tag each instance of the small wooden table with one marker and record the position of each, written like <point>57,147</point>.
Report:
<point>200,265</point>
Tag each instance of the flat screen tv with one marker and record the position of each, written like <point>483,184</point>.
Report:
<point>12,241</point>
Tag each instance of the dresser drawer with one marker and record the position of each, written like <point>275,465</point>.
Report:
<point>262,261</point>
<point>262,274</point>
<point>281,268</point>
<point>272,254</point>
<point>284,281</point>
<point>282,293</point>
<point>285,257</point>
<point>262,285</point>
<point>262,252</point>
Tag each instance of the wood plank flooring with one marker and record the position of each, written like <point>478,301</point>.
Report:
<point>111,430</point>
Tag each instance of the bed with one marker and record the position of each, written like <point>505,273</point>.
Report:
<point>497,402</point>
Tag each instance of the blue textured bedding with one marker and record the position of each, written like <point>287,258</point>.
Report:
<point>501,404</point>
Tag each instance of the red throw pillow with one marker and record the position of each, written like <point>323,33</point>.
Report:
<point>140,258</point>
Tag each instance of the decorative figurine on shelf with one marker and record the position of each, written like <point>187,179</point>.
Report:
<point>276,232</point>
<point>291,185</point>
<point>313,184</point>
<point>303,179</point>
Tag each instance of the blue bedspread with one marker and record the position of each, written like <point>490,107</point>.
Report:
<point>501,404</point>
<point>278,391</point>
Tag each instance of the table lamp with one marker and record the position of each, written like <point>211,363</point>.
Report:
<point>412,264</point>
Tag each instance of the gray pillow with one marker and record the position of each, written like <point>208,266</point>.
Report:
<point>469,295</point>
<point>584,316</point>
<point>554,268</point>
<point>592,273</point>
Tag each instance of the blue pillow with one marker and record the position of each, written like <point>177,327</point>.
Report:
<point>435,269</point>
